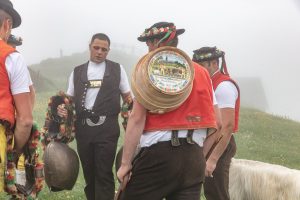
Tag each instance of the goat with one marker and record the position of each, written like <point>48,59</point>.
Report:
<point>254,180</point>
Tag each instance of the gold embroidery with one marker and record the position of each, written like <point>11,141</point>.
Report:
<point>193,118</point>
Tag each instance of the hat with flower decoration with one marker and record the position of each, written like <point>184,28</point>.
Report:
<point>208,54</point>
<point>161,30</point>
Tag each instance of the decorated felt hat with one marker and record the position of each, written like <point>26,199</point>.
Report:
<point>8,7</point>
<point>159,30</point>
<point>208,54</point>
<point>16,41</point>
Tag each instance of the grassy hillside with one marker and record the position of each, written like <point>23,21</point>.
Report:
<point>261,137</point>
<point>268,138</point>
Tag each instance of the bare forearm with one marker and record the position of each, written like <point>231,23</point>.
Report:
<point>22,132</point>
<point>133,133</point>
<point>227,116</point>
<point>23,105</point>
<point>32,95</point>
<point>209,143</point>
<point>221,146</point>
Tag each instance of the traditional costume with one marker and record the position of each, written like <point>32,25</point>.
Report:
<point>20,175</point>
<point>170,162</point>
<point>216,187</point>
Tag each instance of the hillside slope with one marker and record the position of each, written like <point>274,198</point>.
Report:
<point>268,138</point>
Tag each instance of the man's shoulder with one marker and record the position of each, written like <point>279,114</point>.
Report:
<point>79,67</point>
<point>230,81</point>
<point>82,65</point>
<point>112,62</point>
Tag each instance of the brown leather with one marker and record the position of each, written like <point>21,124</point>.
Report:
<point>157,97</point>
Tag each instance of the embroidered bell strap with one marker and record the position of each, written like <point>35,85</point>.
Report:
<point>30,162</point>
<point>125,110</point>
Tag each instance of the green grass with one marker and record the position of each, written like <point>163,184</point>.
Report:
<point>261,137</point>
<point>268,138</point>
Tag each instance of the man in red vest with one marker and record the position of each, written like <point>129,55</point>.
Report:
<point>228,98</point>
<point>171,162</point>
<point>16,91</point>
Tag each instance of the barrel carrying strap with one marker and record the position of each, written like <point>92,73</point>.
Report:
<point>189,138</point>
<point>174,138</point>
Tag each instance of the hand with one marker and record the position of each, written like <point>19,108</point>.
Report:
<point>210,168</point>
<point>61,111</point>
<point>123,174</point>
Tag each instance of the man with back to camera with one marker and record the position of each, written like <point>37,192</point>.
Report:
<point>163,169</point>
<point>228,97</point>
<point>96,87</point>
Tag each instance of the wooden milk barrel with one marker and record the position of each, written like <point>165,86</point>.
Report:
<point>163,79</point>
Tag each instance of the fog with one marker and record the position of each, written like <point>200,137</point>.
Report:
<point>260,37</point>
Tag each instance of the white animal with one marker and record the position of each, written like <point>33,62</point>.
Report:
<point>254,180</point>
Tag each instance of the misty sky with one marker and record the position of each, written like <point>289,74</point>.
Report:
<point>260,37</point>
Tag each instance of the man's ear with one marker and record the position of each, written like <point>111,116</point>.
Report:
<point>7,26</point>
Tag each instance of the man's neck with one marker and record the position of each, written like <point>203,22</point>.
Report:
<point>214,73</point>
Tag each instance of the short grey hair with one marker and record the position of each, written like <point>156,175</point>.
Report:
<point>4,16</point>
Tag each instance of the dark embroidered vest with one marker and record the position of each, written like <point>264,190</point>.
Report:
<point>108,98</point>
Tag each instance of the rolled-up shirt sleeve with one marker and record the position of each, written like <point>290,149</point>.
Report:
<point>70,90</point>
<point>227,94</point>
<point>124,83</point>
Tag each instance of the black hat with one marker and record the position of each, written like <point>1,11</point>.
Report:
<point>17,41</point>
<point>7,6</point>
<point>208,54</point>
<point>159,30</point>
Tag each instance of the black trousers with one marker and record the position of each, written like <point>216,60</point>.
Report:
<point>97,148</point>
<point>216,187</point>
<point>163,171</point>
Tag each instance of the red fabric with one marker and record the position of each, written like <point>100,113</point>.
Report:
<point>216,80</point>
<point>171,37</point>
<point>195,113</point>
<point>7,110</point>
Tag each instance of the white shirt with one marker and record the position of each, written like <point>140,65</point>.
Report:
<point>226,94</point>
<point>96,71</point>
<point>18,73</point>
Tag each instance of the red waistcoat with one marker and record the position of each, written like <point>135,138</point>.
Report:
<point>7,109</point>
<point>195,113</point>
<point>217,78</point>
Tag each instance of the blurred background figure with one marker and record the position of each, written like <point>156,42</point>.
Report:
<point>14,41</point>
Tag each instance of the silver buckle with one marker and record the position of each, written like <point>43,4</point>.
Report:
<point>101,120</point>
